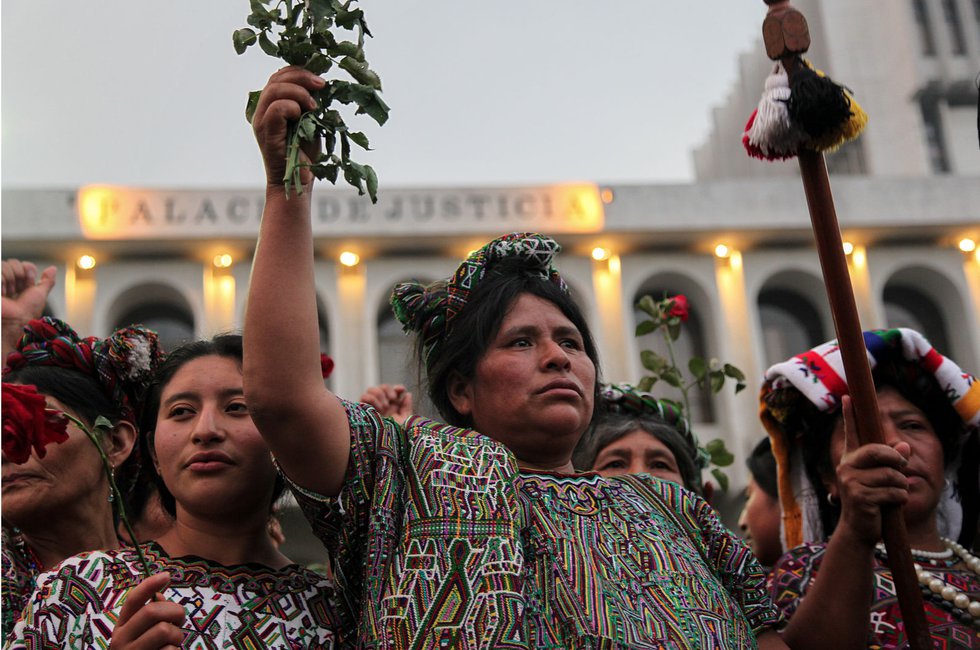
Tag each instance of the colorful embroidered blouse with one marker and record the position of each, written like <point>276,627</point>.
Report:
<point>441,542</point>
<point>796,571</point>
<point>76,605</point>
<point>18,575</point>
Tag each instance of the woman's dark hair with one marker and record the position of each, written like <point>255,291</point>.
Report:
<point>478,323</point>
<point>914,384</point>
<point>79,392</point>
<point>609,426</point>
<point>762,465</point>
<point>86,398</point>
<point>228,346</point>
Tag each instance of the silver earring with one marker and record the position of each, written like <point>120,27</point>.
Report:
<point>832,501</point>
<point>112,494</point>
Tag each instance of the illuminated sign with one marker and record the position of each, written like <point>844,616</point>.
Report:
<point>124,213</point>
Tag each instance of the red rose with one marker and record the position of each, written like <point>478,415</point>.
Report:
<point>678,307</point>
<point>28,423</point>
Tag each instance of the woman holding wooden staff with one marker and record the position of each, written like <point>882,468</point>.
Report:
<point>830,486</point>
<point>803,113</point>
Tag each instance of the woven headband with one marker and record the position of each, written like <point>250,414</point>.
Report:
<point>122,363</point>
<point>818,376</point>
<point>430,310</point>
<point>626,398</point>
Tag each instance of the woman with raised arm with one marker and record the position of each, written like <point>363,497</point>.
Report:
<point>216,577</point>
<point>839,592</point>
<point>59,504</point>
<point>477,532</point>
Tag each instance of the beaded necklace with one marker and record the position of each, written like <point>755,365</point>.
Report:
<point>960,604</point>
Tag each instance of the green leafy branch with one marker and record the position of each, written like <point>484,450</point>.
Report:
<point>667,316</point>
<point>302,33</point>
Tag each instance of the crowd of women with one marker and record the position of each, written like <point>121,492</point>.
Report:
<point>484,529</point>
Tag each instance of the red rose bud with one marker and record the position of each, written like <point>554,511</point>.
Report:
<point>678,307</point>
<point>28,423</point>
<point>326,365</point>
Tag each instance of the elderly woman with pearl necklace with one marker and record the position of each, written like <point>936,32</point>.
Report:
<point>929,410</point>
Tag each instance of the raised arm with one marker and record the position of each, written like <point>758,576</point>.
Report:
<point>24,295</point>
<point>303,423</point>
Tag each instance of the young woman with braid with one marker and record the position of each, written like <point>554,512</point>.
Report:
<point>476,532</point>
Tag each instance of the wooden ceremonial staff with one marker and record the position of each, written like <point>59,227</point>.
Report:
<point>786,36</point>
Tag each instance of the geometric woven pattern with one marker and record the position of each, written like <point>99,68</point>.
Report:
<point>795,572</point>
<point>440,541</point>
<point>18,575</point>
<point>248,606</point>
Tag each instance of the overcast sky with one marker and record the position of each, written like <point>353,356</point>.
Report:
<point>151,94</point>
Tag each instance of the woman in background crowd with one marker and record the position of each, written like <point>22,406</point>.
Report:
<point>760,516</point>
<point>634,432</point>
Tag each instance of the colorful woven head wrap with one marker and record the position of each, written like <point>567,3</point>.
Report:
<point>121,363</point>
<point>626,398</point>
<point>818,376</point>
<point>430,310</point>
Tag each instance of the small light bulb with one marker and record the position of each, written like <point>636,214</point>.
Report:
<point>599,253</point>
<point>607,196</point>
<point>347,258</point>
<point>967,245</point>
<point>222,261</point>
<point>848,248</point>
<point>86,262</point>
<point>722,251</point>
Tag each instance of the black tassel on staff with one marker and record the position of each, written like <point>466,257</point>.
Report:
<point>819,116</point>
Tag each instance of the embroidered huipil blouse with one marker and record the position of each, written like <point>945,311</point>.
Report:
<point>440,541</point>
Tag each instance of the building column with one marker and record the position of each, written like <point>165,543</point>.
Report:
<point>869,311</point>
<point>738,342</point>
<point>219,300</point>
<point>348,343</point>
<point>607,282</point>
<point>80,286</point>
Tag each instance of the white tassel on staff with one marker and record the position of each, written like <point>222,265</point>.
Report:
<point>773,133</point>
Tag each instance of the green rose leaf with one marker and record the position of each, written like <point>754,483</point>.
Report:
<point>672,376</point>
<point>268,46</point>
<point>717,380</point>
<point>371,180</point>
<point>652,361</point>
<point>360,71</point>
<point>733,372</point>
<point>359,139</point>
<point>698,367</point>
<point>253,102</point>
<point>319,63</point>
<point>721,477</point>
<point>242,38</point>
<point>346,48</point>
<point>719,453</point>
<point>647,305</point>
<point>645,327</point>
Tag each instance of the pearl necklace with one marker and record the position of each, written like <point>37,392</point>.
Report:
<point>960,605</point>
<point>926,555</point>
